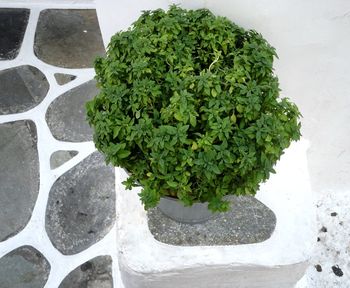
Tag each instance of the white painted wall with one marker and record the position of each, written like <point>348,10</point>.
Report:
<point>33,2</point>
<point>312,39</point>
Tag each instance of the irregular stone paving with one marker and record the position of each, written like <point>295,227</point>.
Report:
<point>60,157</point>
<point>30,89</point>
<point>64,78</point>
<point>96,273</point>
<point>19,176</point>
<point>66,116</point>
<point>68,38</point>
<point>24,267</point>
<point>81,206</point>
<point>13,23</point>
<point>248,221</point>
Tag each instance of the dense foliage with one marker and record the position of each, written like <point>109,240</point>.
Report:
<point>190,106</point>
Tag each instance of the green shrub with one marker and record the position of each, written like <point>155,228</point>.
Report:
<point>190,106</point>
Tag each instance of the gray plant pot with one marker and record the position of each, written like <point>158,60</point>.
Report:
<point>174,209</point>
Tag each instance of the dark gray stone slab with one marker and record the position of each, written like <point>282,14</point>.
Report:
<point>96,273</point>
<point>22,88</point>
<point>66,116</point>
<point>19,176</point>
<point>81,206</point>
<point>69,38</point>
<point>60,157</point>
<point>64,78</point>
<point>13,24</point>
<point>248,221</point>
<point>24,267</point>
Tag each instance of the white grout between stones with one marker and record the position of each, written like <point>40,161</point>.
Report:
<point>34,234</point>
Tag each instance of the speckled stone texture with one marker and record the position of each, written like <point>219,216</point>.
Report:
<point>24,267</point>
<point>330,261</point>
<point>80,210</point>
<point>96,273</point>
<point>30,89</point>
<point>66,116</point>
<point>81,206</point>
<point>64,78</point>
<point>19,176</point>
<point>60,157</point>
<point>69,38</point>
<point>13,24</point>
<point>248,221</point>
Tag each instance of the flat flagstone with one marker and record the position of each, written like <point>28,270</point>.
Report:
<point>60,157</point>
<point>19,176</point>
<point>69,38</point>
<point>22,88</point>
<point>64,78</point>
<point>13,24</point>
<point>24,267</point>
<point>81,205</point>
<point>66,116</point>
<point>248,221</point>
<point>95,273</point>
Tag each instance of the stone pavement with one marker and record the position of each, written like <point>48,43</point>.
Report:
<point>57,196</point>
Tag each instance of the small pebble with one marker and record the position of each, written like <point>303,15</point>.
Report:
<point>318,268</point>
<point>318,239</point>
<point>334,214</point>
<point>323,229</point>
<point>86,266</point>
<point>337,271</point>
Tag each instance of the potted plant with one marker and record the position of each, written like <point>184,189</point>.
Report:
<point>189,105</point>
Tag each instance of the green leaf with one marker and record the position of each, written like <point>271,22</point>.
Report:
<point>193,120</point>
<point>217,205</point>
<point>239,108</point>
<point>194,146</point>
<point>178,116</point>
<point>116,131</point>
<point>172,184</point>
<point>123,154</point>
<point>233,118</point>
<point>215,169</point>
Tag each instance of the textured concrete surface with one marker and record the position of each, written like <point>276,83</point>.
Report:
<point>30,89</point>
<point>248,221</point>
<point>24,267</point>
<point>81,205</point>
<point>330,261</point>
<point>95,273</point>
<point>13,23</point>
<point>64,78</point>
<point>68,38</point>
<point>234,276</point>
<point>60,157</point>
<point>66,116</point>
<point>19,176</point>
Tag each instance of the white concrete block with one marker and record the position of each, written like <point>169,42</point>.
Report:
<point>279,261</point>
